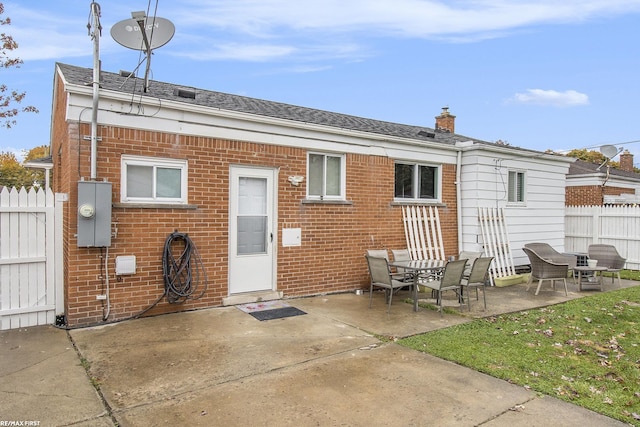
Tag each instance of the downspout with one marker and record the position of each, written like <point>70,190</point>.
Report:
<point>459,197</point>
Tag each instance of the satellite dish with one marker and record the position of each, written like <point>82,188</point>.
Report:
<point>609,151</point>
<point>129,35</point>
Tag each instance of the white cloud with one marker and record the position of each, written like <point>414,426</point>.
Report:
<point>406,18</point>
<point>308,26</point>
<point>271,29</point>
<point>239,51</point>
<point>568,98</point>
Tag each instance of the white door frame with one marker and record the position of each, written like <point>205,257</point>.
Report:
<point>256,271</point>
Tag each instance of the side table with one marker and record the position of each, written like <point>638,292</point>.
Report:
<point>584,269</point>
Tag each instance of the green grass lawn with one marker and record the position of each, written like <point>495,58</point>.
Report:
<point>585,351</point>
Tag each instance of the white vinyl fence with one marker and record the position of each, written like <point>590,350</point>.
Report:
<point>31,290</point>
<point>612,225</point>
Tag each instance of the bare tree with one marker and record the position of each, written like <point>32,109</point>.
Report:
<point>9,98</point>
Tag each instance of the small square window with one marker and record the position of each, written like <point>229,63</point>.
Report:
<point>416,182</point>
<point>152,180</point>
<point>325,176</point>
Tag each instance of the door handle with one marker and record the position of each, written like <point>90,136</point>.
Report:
<point>271,237</point>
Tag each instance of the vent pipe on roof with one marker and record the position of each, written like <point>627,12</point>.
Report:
<point>184,93</point>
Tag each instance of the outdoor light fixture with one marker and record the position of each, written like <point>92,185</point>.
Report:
<point>296,180</point>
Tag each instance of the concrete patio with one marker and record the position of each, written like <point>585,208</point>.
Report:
<point>221,366</point>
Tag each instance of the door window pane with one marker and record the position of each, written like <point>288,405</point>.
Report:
<point>252,216</point>
<point>252,235</point>
<point>252,196</point>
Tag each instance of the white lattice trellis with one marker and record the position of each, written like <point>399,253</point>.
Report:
<point>423,233</point>
<point>496,241</point>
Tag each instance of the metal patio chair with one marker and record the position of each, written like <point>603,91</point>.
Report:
<point>470,257</point>
<point>451,280</point>
<point>381,278</point>
<point>477,278</point>
<point>383,253</point>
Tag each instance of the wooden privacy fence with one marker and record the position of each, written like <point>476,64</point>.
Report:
<point>423,233</point>
<point>612,225</point>
<point>30,290</point>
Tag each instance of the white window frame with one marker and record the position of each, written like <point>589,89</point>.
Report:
<point>153,162</point>
<point>416,178</point>
<point>343,176</point>
<point>515,197</point>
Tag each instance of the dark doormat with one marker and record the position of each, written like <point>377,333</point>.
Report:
<point>277,313</point>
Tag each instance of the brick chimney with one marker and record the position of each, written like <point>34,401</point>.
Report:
<point>445,122</point>
<point>626,161</point>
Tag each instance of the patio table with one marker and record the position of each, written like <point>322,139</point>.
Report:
<point>416,267</point>
<point>584,270</point>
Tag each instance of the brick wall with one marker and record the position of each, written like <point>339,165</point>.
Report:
<point>334,236</point>
<point>592,195</point>
<point>61,176</point>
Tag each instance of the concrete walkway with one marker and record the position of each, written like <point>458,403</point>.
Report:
<point>222,367</point>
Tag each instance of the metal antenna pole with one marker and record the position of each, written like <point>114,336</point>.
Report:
<point>95,35</point>
<point>143,29</point>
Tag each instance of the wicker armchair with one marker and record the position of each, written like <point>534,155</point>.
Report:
<point>544,269</point>
<point>545,251</point>
<point>608,256</point>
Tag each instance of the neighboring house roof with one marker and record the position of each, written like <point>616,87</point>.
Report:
<point>41,163</point>
<point>582,173</point>
<point>581,168</point>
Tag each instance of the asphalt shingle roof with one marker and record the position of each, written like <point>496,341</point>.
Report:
<point>581,167</point>
<point>167,91</point>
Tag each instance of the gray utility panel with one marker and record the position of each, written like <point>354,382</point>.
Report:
<point>94,214</point>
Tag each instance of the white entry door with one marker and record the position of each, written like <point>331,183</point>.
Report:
<point>251,230</point>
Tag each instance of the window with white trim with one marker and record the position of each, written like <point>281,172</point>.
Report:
<point>153,180</point>
<point>325,176</point>
<point>417,182</point>
<point>516,187</point>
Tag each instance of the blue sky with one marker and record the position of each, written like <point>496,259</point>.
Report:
<point>536,74</point>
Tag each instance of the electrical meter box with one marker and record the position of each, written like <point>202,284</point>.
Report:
<point>94,214</point>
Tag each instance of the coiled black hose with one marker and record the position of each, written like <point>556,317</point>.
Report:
<point>183,274</point>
